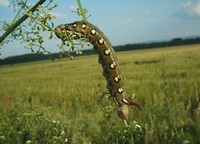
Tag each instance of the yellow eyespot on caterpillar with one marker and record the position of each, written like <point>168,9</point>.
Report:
<point>74,25</point>
<point>108,60</point>
<point>107,52</point>
<point>93,32</point>
<point>83,26</point>
<point>117,79</point>
<point>113,65</point>
<point>101,41</point>
<point>120,90</point>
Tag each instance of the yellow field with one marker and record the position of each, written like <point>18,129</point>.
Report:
<point>36,96</point>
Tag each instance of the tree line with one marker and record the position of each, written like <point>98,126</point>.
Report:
<point>36,57</point>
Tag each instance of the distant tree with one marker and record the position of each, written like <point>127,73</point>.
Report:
<point>176,41</point>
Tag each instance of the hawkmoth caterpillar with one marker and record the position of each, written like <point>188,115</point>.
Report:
<point>107,58</point>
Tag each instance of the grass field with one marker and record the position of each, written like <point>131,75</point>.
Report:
<point>57,101</point>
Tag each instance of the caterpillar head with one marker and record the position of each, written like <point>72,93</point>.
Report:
<point>64,30</point>
<point>60,30</point>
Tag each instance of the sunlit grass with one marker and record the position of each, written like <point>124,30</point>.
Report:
<point>165,82</point>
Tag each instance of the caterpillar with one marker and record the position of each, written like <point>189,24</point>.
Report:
<point>107,58</point>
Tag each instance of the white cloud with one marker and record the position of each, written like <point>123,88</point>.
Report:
<point>73,8</point>
<point>128,20</point>
<point>59,15</point>
<point>4,3</point>
<point>192,7</point>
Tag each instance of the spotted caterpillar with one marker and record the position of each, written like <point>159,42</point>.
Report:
<point>107,58</point>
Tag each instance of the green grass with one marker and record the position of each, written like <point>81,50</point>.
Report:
<point>56,101</point>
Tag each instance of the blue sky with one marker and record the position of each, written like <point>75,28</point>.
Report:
<point>123,22</point>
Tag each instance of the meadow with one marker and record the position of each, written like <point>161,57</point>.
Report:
<point>61,101</point>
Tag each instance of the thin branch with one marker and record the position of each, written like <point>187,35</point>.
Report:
<point>13,26</point>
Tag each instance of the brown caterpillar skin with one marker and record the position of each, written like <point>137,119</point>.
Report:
<point>107,59</point>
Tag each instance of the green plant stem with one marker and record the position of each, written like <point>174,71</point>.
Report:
<point>81,10</point>
<point>13,26</point>
<point>125,122</point>
<point>18,13</point>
